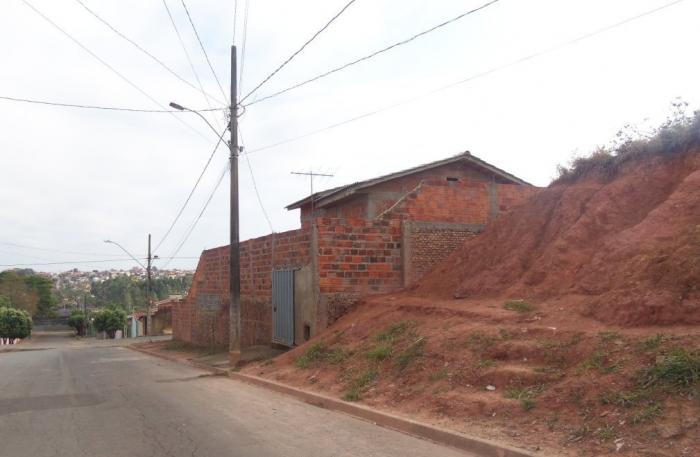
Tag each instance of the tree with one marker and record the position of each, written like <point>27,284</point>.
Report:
<point>14,323</point>
<point>77,321</point>
<point>110,320</point>
<point>18,292</point>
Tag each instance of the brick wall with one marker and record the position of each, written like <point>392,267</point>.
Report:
<point>202,317</point>
<point>356,257</point>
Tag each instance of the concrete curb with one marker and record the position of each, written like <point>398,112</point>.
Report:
<point>467,443</point>
<point>203,366</point>
<point>479,446</point>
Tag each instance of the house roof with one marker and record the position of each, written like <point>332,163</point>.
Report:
<point>329,196</point>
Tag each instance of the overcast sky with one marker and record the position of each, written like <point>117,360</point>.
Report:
<point>72,178</point>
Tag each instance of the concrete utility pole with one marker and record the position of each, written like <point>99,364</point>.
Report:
<point>235,254</point>
<point>311,175</point>
<point>234,310</point>
<point>148,289</point>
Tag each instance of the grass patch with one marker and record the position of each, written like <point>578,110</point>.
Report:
<point>379,352</point>
<point>394,331</point>
<point>600,362</point>
<point>360,384</point>
<point>479,342</point>
<point>647,414</point>
<point>411,353</point>
<point>485,363</point>
<point>605,433</point>
<point>528,404</point>
<point>651,343</point>
<point>623,399</point>
<point>439,375</point>
<point>679,368</point>
<point>319,353</point>
<point>519,306</point>
<point>609,336</point>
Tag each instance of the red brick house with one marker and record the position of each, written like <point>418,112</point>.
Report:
<point>369,237</point>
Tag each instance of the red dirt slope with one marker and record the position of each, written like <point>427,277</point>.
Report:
<point>626,249</point>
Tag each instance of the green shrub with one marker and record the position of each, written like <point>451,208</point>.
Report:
<point>15,323</point>
<point>77,321</point>
<point>109,320</point>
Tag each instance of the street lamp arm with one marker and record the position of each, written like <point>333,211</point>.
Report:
<point>127,252</point>
<point>184,108</point>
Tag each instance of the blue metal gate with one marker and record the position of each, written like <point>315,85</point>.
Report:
<point>283,307</point>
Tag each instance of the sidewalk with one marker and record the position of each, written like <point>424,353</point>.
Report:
<point>218,364</point>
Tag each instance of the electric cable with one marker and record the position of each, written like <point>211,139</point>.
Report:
<point>472,77</point>
<point>372,55</point>
<point>303,46</point>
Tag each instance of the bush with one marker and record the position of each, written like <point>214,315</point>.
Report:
<point>110,320</point>
<point>15,323</point>
<point>77,321</point>
<point>678,134</point>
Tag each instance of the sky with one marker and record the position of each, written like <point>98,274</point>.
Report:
<point>532,96</point>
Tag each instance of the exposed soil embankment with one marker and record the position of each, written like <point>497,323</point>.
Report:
<point>629,245</point>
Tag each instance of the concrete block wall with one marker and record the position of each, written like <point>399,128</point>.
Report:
<point>202,318</point>
<point>425,244</point>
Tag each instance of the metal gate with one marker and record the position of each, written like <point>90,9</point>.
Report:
<point>283,307</point>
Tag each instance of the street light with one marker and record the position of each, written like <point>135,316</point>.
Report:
<point>148,278</point>
<point>179,107</point>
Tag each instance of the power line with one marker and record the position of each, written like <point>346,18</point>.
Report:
<point>184,205</point>
<point>472,77</point>
<point>78,262</point>
<point>111,68</point>
<point>375,53</point>
<point>72,262</point>
<point>243,47</point>
<point>187,54</point>
<point>199,216</point>
<point>235,21</point>
<point>107,108</point>
<point>59,251</point>
<point>140,48</point>
<point>201,45</point>
<point>255,186</point>
<point>303,46</point>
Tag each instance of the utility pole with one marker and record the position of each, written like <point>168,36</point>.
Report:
<point>148,289</point>
<point>235,253</point>
<point>311,175</point>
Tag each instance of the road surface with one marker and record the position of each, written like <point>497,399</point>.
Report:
<point>72,398</point>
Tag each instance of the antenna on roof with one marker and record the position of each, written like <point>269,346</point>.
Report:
<point>311,175</point>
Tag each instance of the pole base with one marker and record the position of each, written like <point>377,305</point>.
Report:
<point>234,357</point>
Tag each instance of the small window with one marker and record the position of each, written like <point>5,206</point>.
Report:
<point>307,332</point>
<point>451,179</point>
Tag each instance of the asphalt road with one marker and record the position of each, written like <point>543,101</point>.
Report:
<point>75,399</point>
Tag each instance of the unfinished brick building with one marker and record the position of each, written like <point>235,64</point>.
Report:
<point>369,237</point>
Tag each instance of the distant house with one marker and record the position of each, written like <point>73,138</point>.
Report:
<point>369,237</point>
